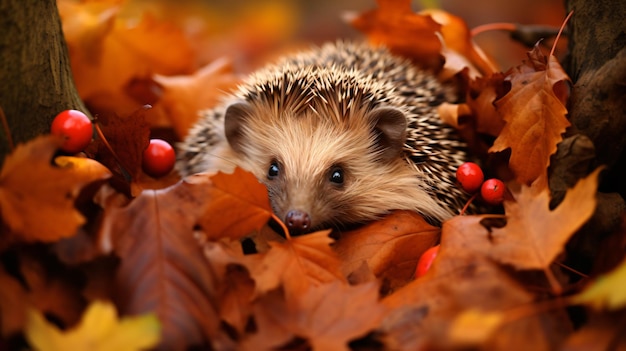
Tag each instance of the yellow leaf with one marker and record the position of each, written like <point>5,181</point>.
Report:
<point>473,327</point>
<point>99,330</point>
<point>607,292</point>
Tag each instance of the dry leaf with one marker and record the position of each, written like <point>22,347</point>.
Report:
<point>607,292</point>
<point>238,205</point>
<point>535,115</point>
<point>482,92</point>
<point>391,247</point>
<point>395,25</point>
<point>37,198</point>
<point>163,268</point>
<point>460,50</point>
<point>99,330</point>
<point>296,265</point>
<point>184,96</point>
<point>328,316</point>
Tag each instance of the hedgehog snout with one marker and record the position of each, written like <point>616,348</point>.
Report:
<point>298,221</point>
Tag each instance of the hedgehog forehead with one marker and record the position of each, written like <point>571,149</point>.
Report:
<point>328,91</point>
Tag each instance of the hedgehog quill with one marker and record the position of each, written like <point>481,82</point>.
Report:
<point>340,135</point>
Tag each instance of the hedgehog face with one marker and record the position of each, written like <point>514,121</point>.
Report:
<point>318,169</point>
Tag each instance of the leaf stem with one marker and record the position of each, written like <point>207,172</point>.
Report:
<point>510,27</point>
<point>282,225</point>
<point>560,31</point>
<point>467,204</point>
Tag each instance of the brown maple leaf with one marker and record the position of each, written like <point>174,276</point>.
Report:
<point>535,115</point>
<point>391,247</point>
<point>296,265</point>
<point>37,198</point>
<point>395,25</point>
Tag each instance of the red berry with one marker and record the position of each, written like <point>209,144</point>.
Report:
<point>75,127</point>
<point>492,191</point>
<point>470,176</point>
<point>158,158</point>
<point>426,260</point>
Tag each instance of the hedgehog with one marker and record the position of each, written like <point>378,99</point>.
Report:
<point>340,134</point>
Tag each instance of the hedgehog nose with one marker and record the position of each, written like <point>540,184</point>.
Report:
<point>298,221</point>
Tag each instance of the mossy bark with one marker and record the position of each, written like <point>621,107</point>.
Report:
<point>35,76</point>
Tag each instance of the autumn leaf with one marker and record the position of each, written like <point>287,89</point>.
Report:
<point>37,198</point>
<point>108,51</point>
<point>163,268</point>
<point>606,292</point>
<point>184,96</point>
<point>238,205</point>
<point>472,327</point>
<point>460,50</point>
<point>534,235</point>
<point>482,92</point>
<point>297,264</point>
<point>99,330</point>
<point>391,247</point>
<point>535,115</point>
<point>395,25</point>
<point>328,316</point>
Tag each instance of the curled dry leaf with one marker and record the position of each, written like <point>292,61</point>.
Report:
<point>184,96</point>
<point>535,115</point>
<point>391,247</point>
<point>395,25</point>
<point>37,198</point>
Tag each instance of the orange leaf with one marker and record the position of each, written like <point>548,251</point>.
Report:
<point>297,264</point>
<point>37,198</point>
<point>184,96</point>
<point>460,50</point>
<point>395,25</point>
<point>481,95</point>
<point>533,236</point>
<point>534,111</point>
<point>328,316</point>
<point>238,205</point>
<point>391,247</point>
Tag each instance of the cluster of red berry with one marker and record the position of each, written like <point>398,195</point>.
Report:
<point>471,179</point>
<point>77,130</point>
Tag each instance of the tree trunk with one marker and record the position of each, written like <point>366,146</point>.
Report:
<point>35,77</point>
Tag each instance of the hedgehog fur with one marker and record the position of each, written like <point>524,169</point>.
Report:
<point>340,134</point>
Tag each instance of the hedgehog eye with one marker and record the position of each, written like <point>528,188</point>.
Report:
<point>336,175</point>
<point>273,171</point>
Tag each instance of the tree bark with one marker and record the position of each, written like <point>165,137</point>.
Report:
<point>36,80</point>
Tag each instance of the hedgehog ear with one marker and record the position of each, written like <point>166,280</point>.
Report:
<point>390,125</point>
<point>234,121</point>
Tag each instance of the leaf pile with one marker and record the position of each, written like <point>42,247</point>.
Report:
<point>94,253</point>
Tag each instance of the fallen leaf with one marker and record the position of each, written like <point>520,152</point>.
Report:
<point>183,97</point>
<point>297,264</point>
<point>391,247</point>
<point>606,292</point>
<point>163,268</point>
<point>37,198</point>
<point>99,330</point>
<point>460,50</point>
<point>107,51</point>
<point>535,115</point>
<point>238,205</point>
<point>12,305</point>
<point>328,316</point>
<point>480,97</point>
<point>473,328</point>
<point>395,25</point>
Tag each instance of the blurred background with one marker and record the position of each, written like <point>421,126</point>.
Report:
<point>245,29</point>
